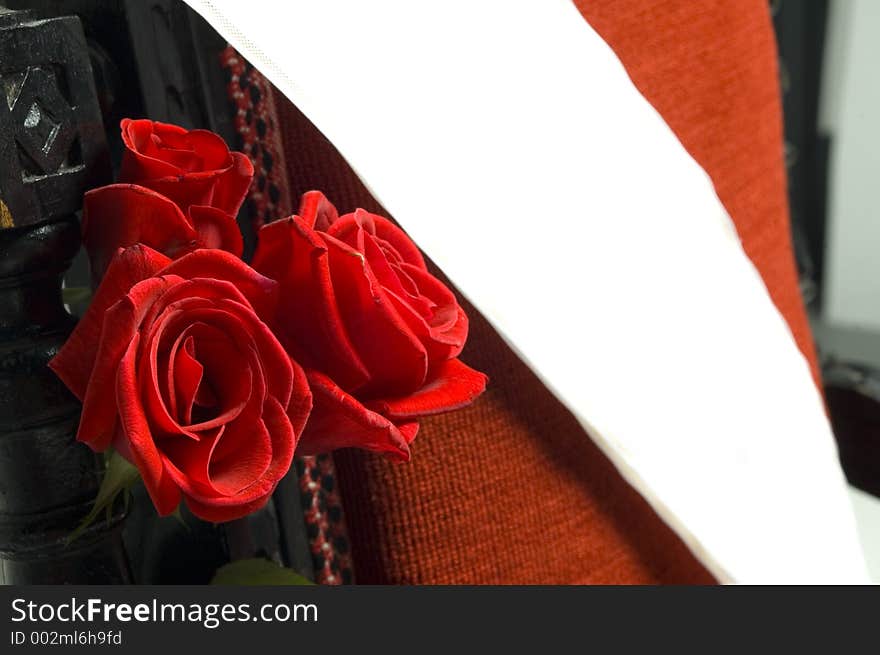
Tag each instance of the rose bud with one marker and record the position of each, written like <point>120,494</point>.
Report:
<point>378,335</point>
<point>178,372</point>
<point>192,167</point>
<point>178,190</point>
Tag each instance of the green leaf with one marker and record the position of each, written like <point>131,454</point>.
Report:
<point>75,295</point>
<point>119,476</point>
<point>257,571</point>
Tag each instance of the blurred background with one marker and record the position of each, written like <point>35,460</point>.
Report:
<point>828,52</point>
<point>828,55</point>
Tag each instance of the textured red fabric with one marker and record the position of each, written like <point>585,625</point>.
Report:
<point>511,490</point>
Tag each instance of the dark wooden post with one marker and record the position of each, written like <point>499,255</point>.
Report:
<point>52,148</point>
<point>158,59</point>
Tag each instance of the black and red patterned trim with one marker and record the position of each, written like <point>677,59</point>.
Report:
<point>256,126</point>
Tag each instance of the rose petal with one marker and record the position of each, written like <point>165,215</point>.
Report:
<point>396,280</point>
<point>284,441</point>
<point>203,470</point>
<point>244,459</point>
<point>210,147</point>
<point>76,358</point>
<point>393,355</point>
<point>120,326</point>
<point>178,153</point>
<point>233,184</point>
<point>230,371</point>
<point>217,512</point>
<point>440,345</point>
<point>162,420</point>
<point>308,314</point>
<point>346,227</point>
<point>216,229</point>
<point>388,231</point>
<point>140,160</point>
<point>238,321</point>
<point>201,292</point>
<point>438,295</point>
<point>339,420</point>
<point>260,291</point>
<point>122,215</point>
<point>138,439</point>
<point>185,376</point>
<point>318,212</point>
<point>444,333</point>
<point>276,364</point>
<point>235,445</point>
<point>452,385</point>
<point>218,351</point>
<point>185,191</point>
<point>186,461</point>
<point>300,405</point>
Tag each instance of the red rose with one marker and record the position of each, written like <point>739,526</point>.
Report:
<point>190,167</point>
<point>178,372</point>
<point>377,334</point>
<point>179,190</point>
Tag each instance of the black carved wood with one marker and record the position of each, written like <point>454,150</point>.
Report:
<point>158,59</point>
<point>52,149</point>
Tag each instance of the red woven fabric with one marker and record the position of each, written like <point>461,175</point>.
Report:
<point>511,490</point>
